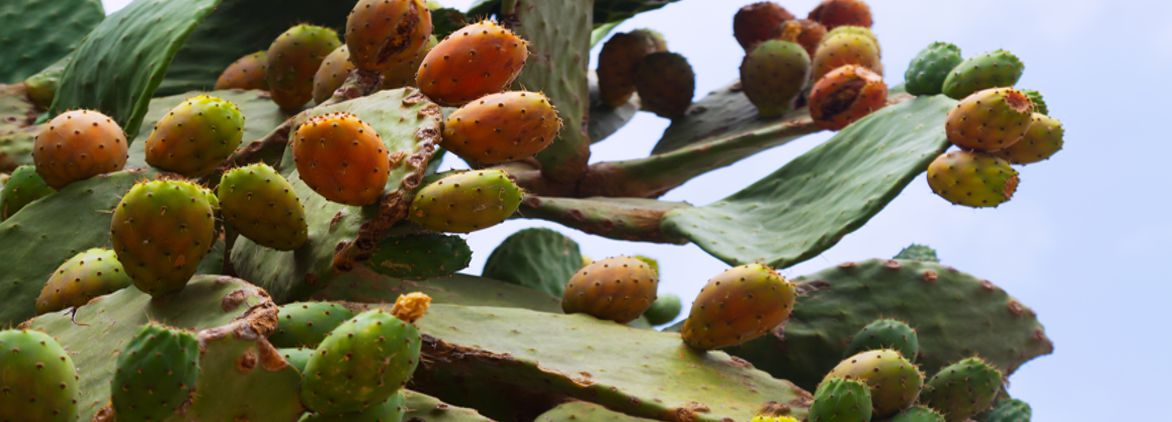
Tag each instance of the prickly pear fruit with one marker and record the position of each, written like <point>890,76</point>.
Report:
<point>835,13</point>
<point>247,72</point>
<point>665,83</point>
<point>161,230</point>
<point>1037,100</point>
<point>332,74</point>
<point>760,418</point>
<point>856,30</point>
<point>972,179</point>
<point>1042,140</point>
<point>77,145</point>
<point>466,201</point>
<point>500,128</point>
<point>919,414</point>
<point>305,324</point>
<point>479,59</point>
<point>773,76</point>
<point>195,136</point>
<point>617,60</point>
<point>23,187</point>
<point>917,252</point>
<point>617,289</point>
<point>297,357</point>
<point>894,381</point>
<point>156,373</point>
<point>993,69</point>
<point>341,158</point>
<point>886,334</point>
<point>260,204</point>
<point>963,389</point>
<point>361,363</point>
<point>403,73</point>
<point>805,32</point>
<point>758,22</point>
<point>38,382</point>
<point>846,95</point>
<point>989,120</point>
<point>738,305</point>
<point>390,410</point>
<point>665,309</point>
<point>382,33</point>
<point>841,400</point>
<point>1011,410</point>
<point>87,275</point>
<point>293,60</point>
<point>845,49</point>
<point>926,73</point>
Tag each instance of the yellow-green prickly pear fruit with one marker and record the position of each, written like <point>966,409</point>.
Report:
<point>195,136</point>
<point>1041,141</point>
<point>465,202</point>
<point>973,179</point>
<point>846,48</point>
<point>773,75</point>
<point>963,389</point>
<point>87,275</point>
<point>923,414</point>
<point>161,230</point>
<point>38,382</point>
<point>617,60</point>
<point>306,324</point>
<point>260,204</point>
<point>894,381</point>
<point>738,305</point>
<point>617,289</point>
<point>293,60</point>
<point>23,187</point>
<point>332,74</point>
<point>989,120</point>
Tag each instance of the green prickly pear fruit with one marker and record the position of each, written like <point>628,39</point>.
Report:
<point>341,158</point>
<point>617,60</point>
<point>886,334</point>
<point>926,73</point>
<point>617,289</point>
<point>845,48</point>
<point>332,74</point>
<point>23,186</point>
<point>836,13</point>
<point>989,120</point>
<point>248,72</point>
<point>918,414</point>
<point>665,83</point>
<point>1041,141</point>
<point>856,30</point>
<point>361,363</point>
<point>488,57</point>
<point>894,381</point>
<point>993,69</point>
<point>963,389</point>
<point>77,145</point>
<point>665,309</point>
<point>293,60</point>
<point>841,400</point>
<point>738,305</point>
<point>296,357</point>
<point>87,275</point>
<point>382,33</point>
<point>1011,410</point>
<point>917,252</point>
<point>38,382</point>
<point>465,202</point>
<point>161,230</point>
<point>1037,100</point>
<point>420,256</point>
<point>758,22</point>
<point>261,205</point>
<point>846,95</point>
<point>773,75</point>
<point>503,127</point>
<point>195,136</point>
<point>805,32</point>
<point>972,179</point>
<point>306,324</point>
<point>155,374</point>
<point>760,418</point>
<point>403,73</point>
<point>390,410</point>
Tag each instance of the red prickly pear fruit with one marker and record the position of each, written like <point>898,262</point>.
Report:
<point>990,120</point>
<point>465,202</point>
<point>195,136</point>
<point>846,95</point>
<point>805,32</point>
<point>665,83</point>
<point>332,74</point>
<point>403,73</point>
<point>341,158</point>
<point>894,381</point>
<point>160,231</point>
<point>22,188</point>
<point>841,49</point>
<point>261,205</point>
<point>87,275</point>
<point>972,178</point>
<point>503,127</point>
<point>835,13</point>
<point>617,61</point>
<point>773,76</point>
<point>383,33</point>
<point>738,305</point>
<point>38,382</point>
<point>247,72</point>
<point>963,389</point>
<point>1041,141</point>
<point>293,60</point>
<point>617,289</point>
<point>476,60</point>
<point>757,22</point>
<point>77,145</point>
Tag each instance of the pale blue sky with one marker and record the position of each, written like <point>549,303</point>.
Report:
<point>1085,242</point>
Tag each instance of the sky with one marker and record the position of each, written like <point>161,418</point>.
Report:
<point>1081,242</point>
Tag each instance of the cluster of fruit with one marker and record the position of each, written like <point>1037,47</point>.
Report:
<point>638,62</point>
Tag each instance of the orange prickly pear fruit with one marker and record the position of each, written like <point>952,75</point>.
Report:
<point>503,127</point>
<point>757,22</point>
<point>195,136</point>
<point>738,305</point>
<point>476,60</point>
<point>341,158</point>
<point>247,72</point>
<point>293,60</point>
<point>77,145</point>
<point>384,33</point>
<point>846,95</point>
<point>617,61</point>
<point>617,289</point>
<point>835,13</point>
<point>990,120</point>
<point>332,74</point>
<point>805,32</point>
<point>403,73</point>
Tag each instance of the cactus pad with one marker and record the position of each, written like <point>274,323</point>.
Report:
<point>585,412</point>
<point>156,373</point>
<point>305,324</point>
<point>537,258</point>
<point>420,256</point>
<point>40,32</point>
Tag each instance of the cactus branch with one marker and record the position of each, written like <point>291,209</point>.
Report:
<point>616,218</point>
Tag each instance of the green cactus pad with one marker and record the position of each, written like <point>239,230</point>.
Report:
<point>993,69</point>
<point>446,20</point>
<point>361,363</point>
<point>926,73</point>
<point>918,252</point>
<point>391,410</point>
<point>841,400</point>
<point>963,389</point>
<point>243,378</point>
<point>921,414</point>
<point>424,408</point>
<point>366,286</point>
<point>1011,410</point>
<point>38,32</point>
<point>420,256</point>
<point>954,313</point>
<point>37,378</point>
<point>23,187</point>
<point>580,411</point>
<point>886,334</point>
<point>537,258</point>
<point>305,324</point>
<point>156,373</point>
<point>844,182</point>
